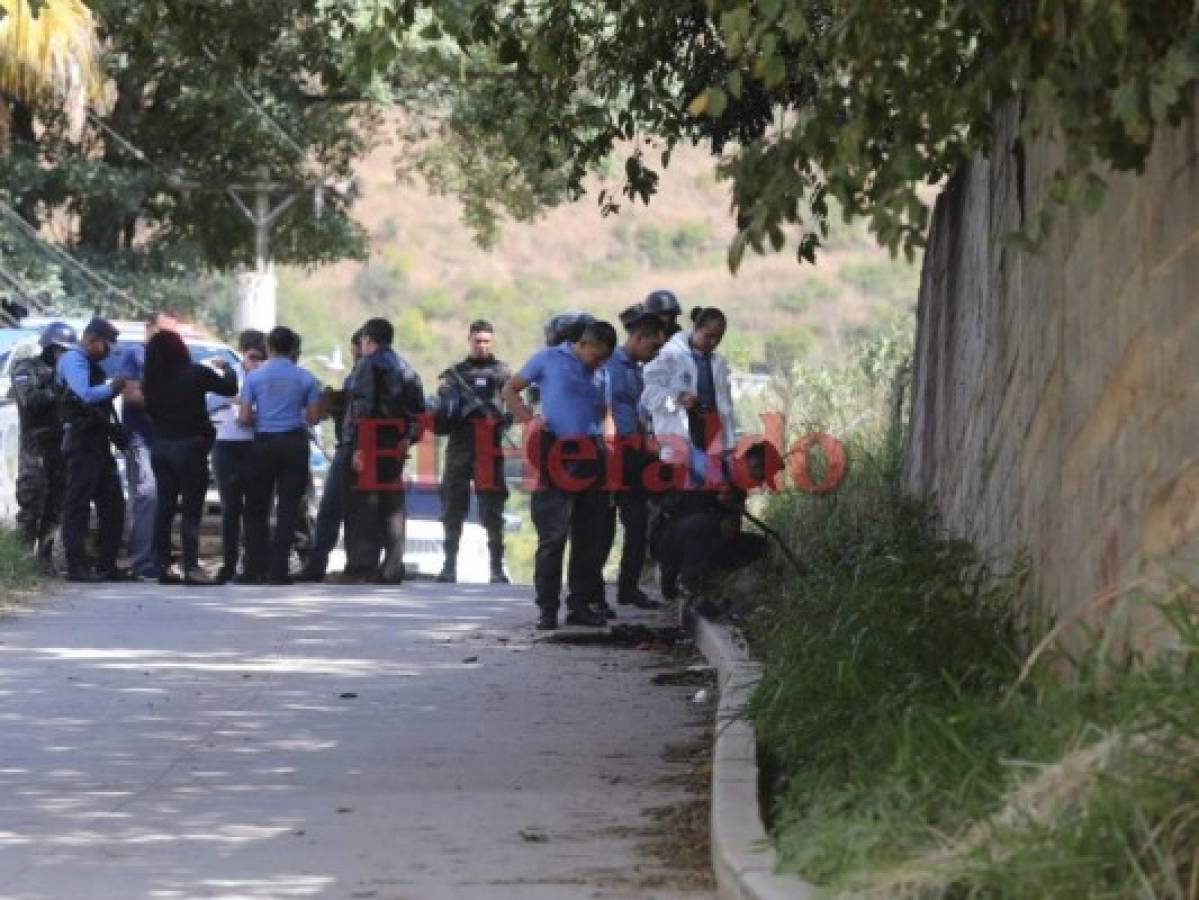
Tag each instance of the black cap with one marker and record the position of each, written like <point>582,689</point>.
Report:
<point>663,302</point>
<point>101,328</point>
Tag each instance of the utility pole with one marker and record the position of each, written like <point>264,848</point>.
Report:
<point>257,289</point>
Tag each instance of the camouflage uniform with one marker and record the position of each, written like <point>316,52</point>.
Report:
<point>41,473</point>
<point>472,388</point>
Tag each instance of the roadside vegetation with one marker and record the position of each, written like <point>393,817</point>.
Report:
<point>926,734</point>
<point>17,570</point>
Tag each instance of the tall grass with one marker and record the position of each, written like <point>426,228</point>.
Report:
<point>17,569</point>
<point>911,754</point>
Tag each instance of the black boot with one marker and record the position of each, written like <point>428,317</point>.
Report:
<point>449,568</point>
<point>495,549</point>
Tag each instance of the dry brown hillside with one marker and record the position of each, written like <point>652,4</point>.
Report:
<point>427,273</point>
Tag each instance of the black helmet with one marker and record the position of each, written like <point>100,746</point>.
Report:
<point>58,334</point>
<point>660,302</point>
<point>566,327</point>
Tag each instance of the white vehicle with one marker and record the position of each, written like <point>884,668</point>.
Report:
<point>19,343</point>
<point>424,543</point>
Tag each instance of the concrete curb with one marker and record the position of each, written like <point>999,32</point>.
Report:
<point>743,856</point>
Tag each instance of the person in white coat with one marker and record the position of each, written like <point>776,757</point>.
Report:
<point>689,393</point>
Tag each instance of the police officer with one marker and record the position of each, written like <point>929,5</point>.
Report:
<point>40,472</point>
<point>279,400</point>
<point>646,334</point>
<point>469,398</point>
<point>665,305</point>
<point>569,503</point>
<point>331,512</point>
<point>387,390</point>
<point>89,426</point>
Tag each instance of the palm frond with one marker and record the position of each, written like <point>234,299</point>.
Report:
<point>50,55</point>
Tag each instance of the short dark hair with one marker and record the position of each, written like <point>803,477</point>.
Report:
<point>251,339</point>
<point>646,325</point>
<point>283,340</point>
<point>481,325</point>
<point>600,333</point>
<point>378,330</point>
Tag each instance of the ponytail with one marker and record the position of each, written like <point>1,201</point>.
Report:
<point>702,315</point>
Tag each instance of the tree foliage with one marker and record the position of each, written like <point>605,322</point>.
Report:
<point>811,104</point>
<point>199,96</point>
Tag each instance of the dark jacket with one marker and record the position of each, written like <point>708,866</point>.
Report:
<point>36,390</point>
<point>384,386</point>
<point>471,390</point>
<point>178,407</point>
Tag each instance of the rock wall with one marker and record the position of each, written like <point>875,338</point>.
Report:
<point>1055,404</point>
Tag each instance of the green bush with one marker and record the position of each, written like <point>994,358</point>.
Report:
<point>17,569</point>
<point>605,272</point>
<point>813,290</point>
<point>436,303</point>
<point>885,279</point>
<point>788,347</point>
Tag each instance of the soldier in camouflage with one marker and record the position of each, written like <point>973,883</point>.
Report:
<point>40,469</point>
<point>469,403</point>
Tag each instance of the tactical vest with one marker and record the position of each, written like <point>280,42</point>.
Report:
<point>480,386</point>
<point>41,415</point>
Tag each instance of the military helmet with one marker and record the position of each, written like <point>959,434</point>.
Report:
<point>566,327</point>
<point>663,301</point>
<point>58,334</point>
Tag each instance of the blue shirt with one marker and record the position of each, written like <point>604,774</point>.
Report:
<point>625,384</point>
<point>279,391</point>
<point>572,398</point>
<point>74,368</point>
<point>133,366</point>
<point>705,382</point>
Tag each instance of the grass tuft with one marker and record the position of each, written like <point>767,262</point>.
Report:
<point>18,571</point>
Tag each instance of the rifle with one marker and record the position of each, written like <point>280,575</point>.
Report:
<point>483,405</point>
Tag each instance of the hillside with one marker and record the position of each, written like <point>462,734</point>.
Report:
<point>428,275</point>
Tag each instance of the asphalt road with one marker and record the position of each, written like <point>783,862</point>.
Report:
<point>412,743</point>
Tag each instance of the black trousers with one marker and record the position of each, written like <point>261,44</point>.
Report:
<point>92,479</point>
<point>180,468</point>
<point>580,517</point>
<point>231,466</point>
<point>632,503</point>
<point>330,513</point>
<point>376,523</point>
<point>278,465</point>
<point>694,547</point>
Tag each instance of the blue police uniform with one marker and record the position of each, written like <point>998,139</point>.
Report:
<point>572,405</point>
<point>278,392</point>
<point>625,385</point>
<point>91,470</point>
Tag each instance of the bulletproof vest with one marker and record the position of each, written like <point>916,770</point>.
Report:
<point>41,414</point>
<point>81,416</point>
<point>480,386</point>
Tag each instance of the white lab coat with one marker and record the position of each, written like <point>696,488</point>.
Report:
<point>674,372</point>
